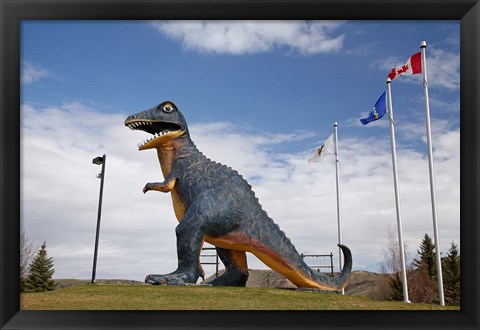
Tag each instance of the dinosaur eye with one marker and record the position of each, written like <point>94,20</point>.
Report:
<point>168,108</point>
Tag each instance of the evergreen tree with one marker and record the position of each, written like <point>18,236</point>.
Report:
<point>41,272</point>
<point>427,257</point>
<point>23,284</point>
<point>451,275</point>
<point>396,287</point>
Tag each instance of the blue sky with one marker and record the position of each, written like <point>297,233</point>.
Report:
<point>258,96</point>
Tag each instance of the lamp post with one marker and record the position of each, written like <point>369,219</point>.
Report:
<point>98,161</point>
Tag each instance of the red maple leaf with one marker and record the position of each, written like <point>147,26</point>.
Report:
<point>403,69</point>
<point>392,74</point>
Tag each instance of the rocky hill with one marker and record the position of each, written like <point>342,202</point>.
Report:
<point>362,283</point>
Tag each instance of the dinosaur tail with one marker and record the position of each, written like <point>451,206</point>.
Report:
<point>280,254</point>
<point>341,280</point>
<point>322,281</point>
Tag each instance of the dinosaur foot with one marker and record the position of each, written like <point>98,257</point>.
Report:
<point>232,278</point>
<point>170,279</point>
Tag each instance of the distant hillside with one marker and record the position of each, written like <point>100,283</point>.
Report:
<point>362,283</point>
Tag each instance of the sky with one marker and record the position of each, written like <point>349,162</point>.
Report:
<point>259,97</point>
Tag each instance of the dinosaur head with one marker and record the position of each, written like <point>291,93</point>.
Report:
<point>164,122</point>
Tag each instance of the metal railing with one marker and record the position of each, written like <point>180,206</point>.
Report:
<point>317,259</point>
<point>216,262</point>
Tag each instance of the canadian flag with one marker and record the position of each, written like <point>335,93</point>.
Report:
<point>413,66</point>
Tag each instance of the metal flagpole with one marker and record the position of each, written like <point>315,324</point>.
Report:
<point>397,194</point>
<point>423,46</point>
<point>339,217</point>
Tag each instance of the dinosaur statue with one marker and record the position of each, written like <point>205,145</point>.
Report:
<point>213,203</point>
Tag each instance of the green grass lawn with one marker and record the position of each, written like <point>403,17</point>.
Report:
<point>148,297</point>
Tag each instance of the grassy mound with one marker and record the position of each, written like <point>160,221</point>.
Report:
<point>148,297</point>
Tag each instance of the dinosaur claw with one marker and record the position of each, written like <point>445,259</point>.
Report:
<point>149,280</point>
<point>146,188</point>
<point>155,280</point>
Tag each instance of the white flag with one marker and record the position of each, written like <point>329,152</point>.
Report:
<point>325,149</point>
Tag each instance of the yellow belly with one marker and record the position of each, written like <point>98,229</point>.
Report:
<point>178,206</point>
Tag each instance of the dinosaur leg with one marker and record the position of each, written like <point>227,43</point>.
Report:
<point>236,270</point>
<point>189,241</point>
<point>202,272</point>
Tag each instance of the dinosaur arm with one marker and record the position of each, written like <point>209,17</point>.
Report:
<point>165,186</point>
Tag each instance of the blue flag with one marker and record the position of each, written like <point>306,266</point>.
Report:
<point>377,112</point>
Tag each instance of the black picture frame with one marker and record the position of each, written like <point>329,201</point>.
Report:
<point>13,11</point>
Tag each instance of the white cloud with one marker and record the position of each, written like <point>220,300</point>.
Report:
<point>60,192</point>
<point>443,69</point>
<point>31,72</point>
<point>388,63</point>
<point>445,106</point>
<point>416,130</point>
<point>249,37</point>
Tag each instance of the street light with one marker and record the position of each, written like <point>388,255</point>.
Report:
<point>98,161</point>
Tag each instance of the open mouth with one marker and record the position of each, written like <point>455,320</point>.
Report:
<point>160,130</point>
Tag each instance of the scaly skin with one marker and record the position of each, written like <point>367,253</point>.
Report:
<point>213,203</point>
